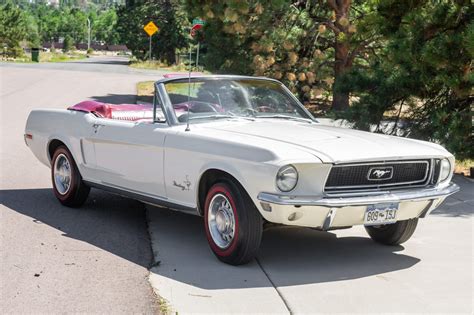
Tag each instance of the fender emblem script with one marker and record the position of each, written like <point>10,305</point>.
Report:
<point>380,173</point>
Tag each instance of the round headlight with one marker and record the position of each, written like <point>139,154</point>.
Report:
<point>287,178</point>
<point>445,170</point>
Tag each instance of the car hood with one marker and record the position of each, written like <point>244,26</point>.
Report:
<point>332,144</point>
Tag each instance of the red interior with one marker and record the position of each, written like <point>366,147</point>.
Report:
<point>131,112</point>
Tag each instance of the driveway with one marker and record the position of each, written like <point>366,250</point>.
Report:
<point>301,270</point>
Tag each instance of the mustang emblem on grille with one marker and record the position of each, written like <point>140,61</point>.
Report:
<point>380,173</point>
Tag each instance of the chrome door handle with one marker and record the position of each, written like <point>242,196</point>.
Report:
<point>97,126</point>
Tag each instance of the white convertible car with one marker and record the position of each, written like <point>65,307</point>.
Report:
<point>241,152</point>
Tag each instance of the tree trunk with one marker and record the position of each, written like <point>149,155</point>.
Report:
<point>340,100</point>
<point>342,62</point>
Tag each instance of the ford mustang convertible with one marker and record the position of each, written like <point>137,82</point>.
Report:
<point>241,152</point>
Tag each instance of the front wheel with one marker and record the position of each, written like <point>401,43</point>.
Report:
<point>233,224</point>
<point>393,234</point>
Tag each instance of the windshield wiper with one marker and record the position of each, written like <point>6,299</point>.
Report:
<point>287,118</point>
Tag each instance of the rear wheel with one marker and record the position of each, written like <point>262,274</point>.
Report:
<point>68,186</point>
<point>233,224</point>
<point>393,234</point>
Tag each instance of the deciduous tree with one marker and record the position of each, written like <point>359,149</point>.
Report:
<point>165,14</point>
<point>13,28</point>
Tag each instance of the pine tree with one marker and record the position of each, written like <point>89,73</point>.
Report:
<point>423,71</point>
<point>310,45</point>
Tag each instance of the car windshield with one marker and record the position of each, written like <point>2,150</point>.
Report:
<point>211,99</point>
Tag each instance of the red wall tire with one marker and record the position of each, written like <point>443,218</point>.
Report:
<point>76,193</point>
<point>248,224</point>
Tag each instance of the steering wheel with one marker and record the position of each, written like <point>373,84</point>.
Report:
<point>265,109</point>
<point>201,107</point>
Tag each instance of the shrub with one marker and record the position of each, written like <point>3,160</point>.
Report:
<point>67,44</point>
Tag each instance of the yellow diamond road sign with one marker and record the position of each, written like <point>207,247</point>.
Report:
<point>151,28</point>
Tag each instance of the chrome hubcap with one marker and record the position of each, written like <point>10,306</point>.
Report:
<point>221,221</point>
<point>62,174</point>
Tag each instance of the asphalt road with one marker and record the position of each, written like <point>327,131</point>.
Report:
<point>54,259</point>
<point>96,259</point>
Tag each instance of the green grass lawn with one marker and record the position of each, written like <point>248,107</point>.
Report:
<point>156,65</point>
<point>49,57</point>
<point>60,57</point>
<point>146,89</point>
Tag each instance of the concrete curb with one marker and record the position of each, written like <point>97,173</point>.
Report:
<point>189,279</point>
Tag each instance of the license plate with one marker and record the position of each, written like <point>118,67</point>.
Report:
<point>379,214</point>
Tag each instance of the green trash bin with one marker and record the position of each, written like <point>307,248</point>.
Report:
<point>35,54</point>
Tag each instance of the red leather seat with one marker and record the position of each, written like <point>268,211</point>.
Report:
<point>130,112</point>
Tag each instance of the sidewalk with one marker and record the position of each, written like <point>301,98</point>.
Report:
<point>305,271</point>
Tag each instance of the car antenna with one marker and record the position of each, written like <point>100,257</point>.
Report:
<point>189,87</point>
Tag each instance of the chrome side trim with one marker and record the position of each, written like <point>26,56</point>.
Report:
<point>154,200</point>
<point>425,178</point>
<point>350,200</point>
<point>82,151</point>
<point>382,162</point>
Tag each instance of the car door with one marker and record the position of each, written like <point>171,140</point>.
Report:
<point>129,155</point>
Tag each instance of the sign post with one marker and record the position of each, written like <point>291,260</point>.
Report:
<point>197,25</point>
<point>198,21</point>
<point>197,57</point>
<point>150,29</point>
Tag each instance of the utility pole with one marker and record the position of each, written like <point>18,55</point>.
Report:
<point>88,34</point>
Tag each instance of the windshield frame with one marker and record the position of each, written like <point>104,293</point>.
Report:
<point>167,107</point>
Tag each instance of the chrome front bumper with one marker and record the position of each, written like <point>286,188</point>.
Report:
<point>333,210</point>
<point>350,199</point>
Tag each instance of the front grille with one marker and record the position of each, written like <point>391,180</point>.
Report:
<point>356,176</point>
